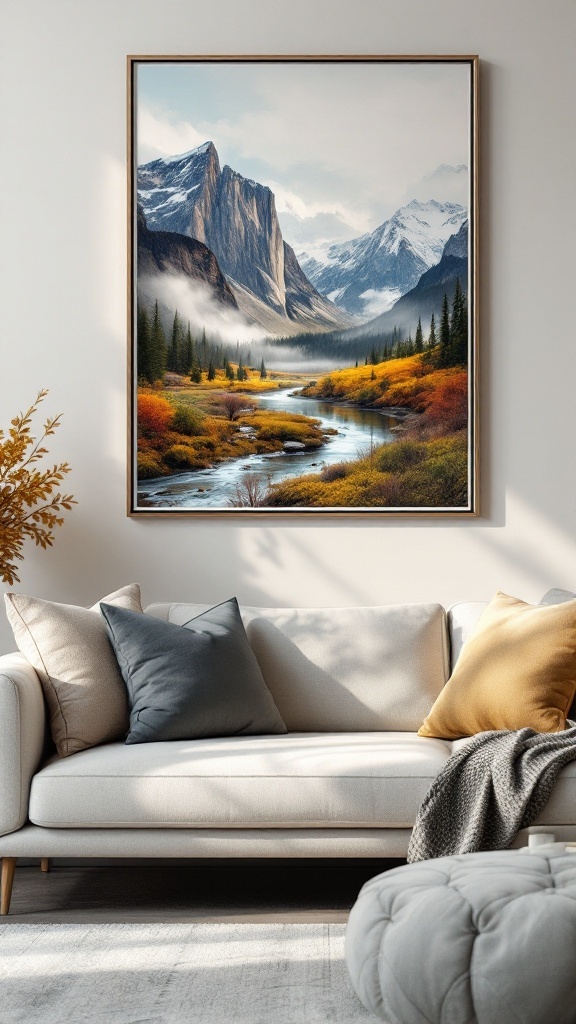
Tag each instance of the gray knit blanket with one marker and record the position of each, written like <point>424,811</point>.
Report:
<point>488,790</point>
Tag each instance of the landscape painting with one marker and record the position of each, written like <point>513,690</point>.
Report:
<point>302,285</point>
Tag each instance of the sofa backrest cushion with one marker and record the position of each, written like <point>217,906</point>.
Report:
<point>461,621</point>
<point>345,669</point>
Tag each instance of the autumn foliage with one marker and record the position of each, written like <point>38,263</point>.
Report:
<point>446,407</point>
<point>154,414</point>
<point>28,509</point>
<point>175,437</point>
<point>438,396</point>
<point>427,466</point>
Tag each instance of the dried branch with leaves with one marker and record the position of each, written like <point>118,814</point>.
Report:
<point>28,509</point>
<point>251,492</point>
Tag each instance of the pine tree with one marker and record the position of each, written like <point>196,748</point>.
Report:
<point>182,350</point>
<point>432,341</point>
<point>178,354</point>
<point>143,344</point>
<point>366,361</point>
<point>419,339</point>
<point>372,374</point>
<point>374,356</point>
<point>459,327</point>
<point>430,354</point>
<point>188,357</point>
<point>172,360</point>
<point>444,354</point>
<point>356,365</point>
<point>157,353</point>
<point>204,350</point>
<point>196,374</point>
<point>211,371</point>
<point>264,372</point>
<point>229,371</point>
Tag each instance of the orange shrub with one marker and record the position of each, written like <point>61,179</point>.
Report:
<point>154,414</point>
<point>447,406</point>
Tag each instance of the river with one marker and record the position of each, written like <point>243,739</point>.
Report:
<point>213,488</point>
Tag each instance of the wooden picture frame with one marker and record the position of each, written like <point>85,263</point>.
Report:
<point>302,276</point>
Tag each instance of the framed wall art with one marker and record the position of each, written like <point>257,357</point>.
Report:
<point>303,293</point>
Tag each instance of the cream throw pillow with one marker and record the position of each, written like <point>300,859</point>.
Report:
<point>69,648</point>
<point>516,670</point>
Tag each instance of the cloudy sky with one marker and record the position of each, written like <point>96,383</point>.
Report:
<point>342,146</point>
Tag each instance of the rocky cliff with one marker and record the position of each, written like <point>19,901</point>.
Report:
<point>236,218</point>
<point>161,252</point>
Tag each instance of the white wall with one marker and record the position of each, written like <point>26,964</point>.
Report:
<point>63,299</point>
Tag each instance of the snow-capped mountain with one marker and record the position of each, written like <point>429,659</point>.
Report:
<point>391,258</point>
<point>427,295</point>
<point>236,218</point>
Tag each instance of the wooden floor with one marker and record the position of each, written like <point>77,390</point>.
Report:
<point>224,890</point>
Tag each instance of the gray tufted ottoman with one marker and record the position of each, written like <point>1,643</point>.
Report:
<point>482,938</point>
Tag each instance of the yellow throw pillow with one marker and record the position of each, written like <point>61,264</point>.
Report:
<point>516,670</point>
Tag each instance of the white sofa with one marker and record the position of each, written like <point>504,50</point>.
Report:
<point>353,685</point>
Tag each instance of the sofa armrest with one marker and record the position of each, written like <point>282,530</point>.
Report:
<point>22,724</point>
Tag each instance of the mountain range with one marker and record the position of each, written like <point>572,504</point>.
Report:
<point>190,195</point>
<point>389,260</point>
<point>427,295</point>
<point>200,222</point>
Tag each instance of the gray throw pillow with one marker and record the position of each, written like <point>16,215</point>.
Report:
<point>192,681</point>
<point>556,596</point>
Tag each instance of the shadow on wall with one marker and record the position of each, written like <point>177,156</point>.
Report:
<point>295,564</point>
<point>95,553</point>
<point>540,546</point>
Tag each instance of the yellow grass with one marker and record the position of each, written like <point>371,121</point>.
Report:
<point>402,474</point>
<point>406,383</point>
<point>253,385</point>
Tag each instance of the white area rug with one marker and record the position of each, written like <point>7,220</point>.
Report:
<point>176,974</point>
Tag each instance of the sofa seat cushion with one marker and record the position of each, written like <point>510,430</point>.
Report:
<point>298,780</point>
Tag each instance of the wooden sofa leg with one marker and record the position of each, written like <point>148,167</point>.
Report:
<point>45,864</point>
<point>8,866</point>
